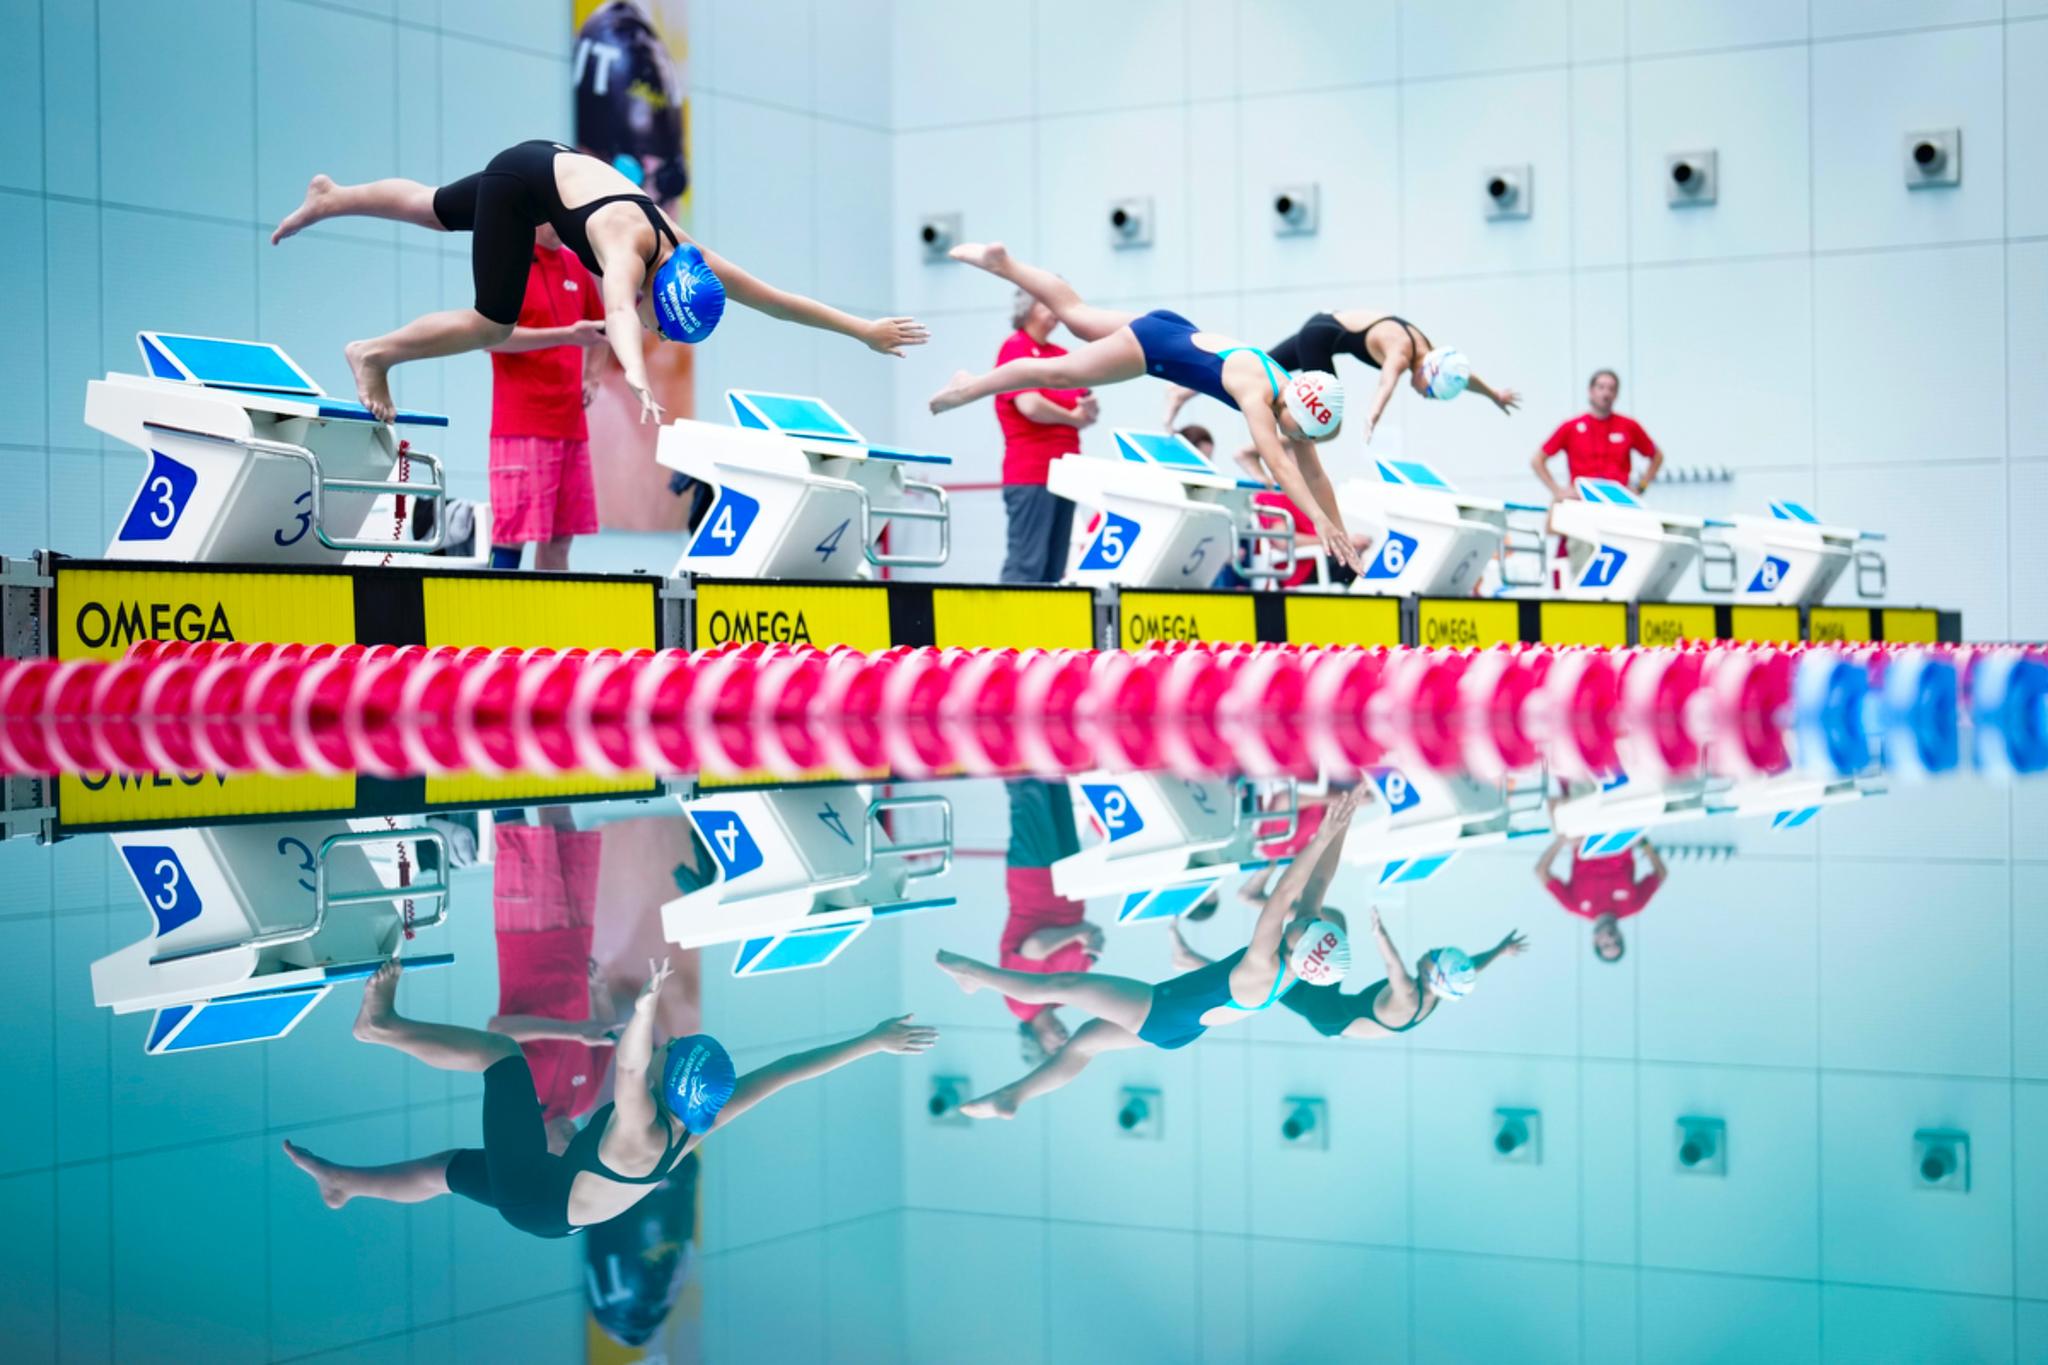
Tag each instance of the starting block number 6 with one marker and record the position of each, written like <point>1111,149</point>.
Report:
<point>1394,786</point>
<point>1393,556</point>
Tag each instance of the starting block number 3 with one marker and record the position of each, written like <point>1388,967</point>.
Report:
<point>161,501</point>
<point>164,884</point>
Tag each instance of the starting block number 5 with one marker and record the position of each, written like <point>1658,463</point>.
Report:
<point>1112,543</point>
<point>1112,805</point>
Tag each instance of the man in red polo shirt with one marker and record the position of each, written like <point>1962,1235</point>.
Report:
<point>542,378</point>
<point>1604,890</point>
<point>1045,932</point>
<point>1599,443</point>
<point>1039,426</point>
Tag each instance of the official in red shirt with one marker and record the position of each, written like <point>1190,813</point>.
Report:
<point>1603,890</point>
<point>1039,426</point>
<point>1045,932</point>
<point>542,378</point>
<point>1599,443</point>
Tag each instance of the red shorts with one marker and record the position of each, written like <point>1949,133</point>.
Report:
<point>541,489</point>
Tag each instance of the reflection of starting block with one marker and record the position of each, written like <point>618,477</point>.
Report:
<point>1437,540</point>
<point>1609,816</point>
<point>248,913</point>
<point>1790,799</point>
<point>251,462</point>
<point>1422,820</point>
<point>1791,558</point>
<point>801,494</point>
<point>1168,841</point>
<point>802,872</point>
<point>1639,554</point>
<point>1169,519</point>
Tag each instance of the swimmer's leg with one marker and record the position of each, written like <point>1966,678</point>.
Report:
<point>1095,1036</point>
<point>401,1182</point>
<point>450,332</point>
<point>1119,999</point>
<point>402,201</point>
<point>1083,319</point>
<point>1112,360</point>
<point>448,1047</point>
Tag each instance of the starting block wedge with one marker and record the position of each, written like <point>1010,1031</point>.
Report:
<point>1792,558</point>
<point>1435,540</point>
<point>1639,553</point>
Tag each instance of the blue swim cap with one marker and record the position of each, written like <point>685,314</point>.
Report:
<point>688,299</point>
<point>697,1080</point>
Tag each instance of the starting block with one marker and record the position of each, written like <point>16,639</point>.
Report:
<point>251,462</point>
<point>1168,841</point>
<point>1436,541</point>
<point>1792,558</point>
<point>1639,553</point>
<point>802,872</point>
<point>1169,519</point>
<point>1607,817</point>
<point>794,479</point>
<point>1423,819</point>
<point>273,913</point>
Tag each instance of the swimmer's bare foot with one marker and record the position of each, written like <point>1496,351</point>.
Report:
<point>380,996</point>
<point>993,257</point>
<point>373,382</point>
<point>961,969</point>
<point>954,394</point>
<point>325,1174</point>
<point>996,1104</point>
<point>316,206</point>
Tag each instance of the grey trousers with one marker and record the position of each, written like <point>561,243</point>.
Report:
<point>1041,524</point>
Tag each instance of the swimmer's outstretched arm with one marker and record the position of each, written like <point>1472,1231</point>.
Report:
<point>1507,400</point>
<point>1305,882</point>
<point>633,1108</point>
<point>621,285</point>
<point>887,335</point>
<point>1274,450</point>
<point>891,1035</point>
<point>1513,945</point>
<point>1390,375</point>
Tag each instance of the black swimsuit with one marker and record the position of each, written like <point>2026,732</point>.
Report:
<point>516,1174</point>
<point>1329,1011</point>
<point>502,204</point>
<point>1320,340</point>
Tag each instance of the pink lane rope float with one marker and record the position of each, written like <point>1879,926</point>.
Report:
<point>786,711</point>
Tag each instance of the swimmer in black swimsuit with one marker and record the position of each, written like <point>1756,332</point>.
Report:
<point>1392,345</point>
<point>614,228</point>
<point>522,1170</point>
<point>1290,941</point>
<point>1287,412</point>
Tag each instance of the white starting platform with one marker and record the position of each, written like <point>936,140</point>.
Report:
<point>1639,553</point>
<point>254,924</point>
<point>1433,541</point>
<point>1423,820</point>
<point>1168,842</point>
<point>801,493</point>
<point>1610,815</point>
<point>802,872</point>
<point>1169,519</point>
<point>1792,558</point>
<point>250,461</point>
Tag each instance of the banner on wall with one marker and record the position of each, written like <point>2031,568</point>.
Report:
<point>630,68</point>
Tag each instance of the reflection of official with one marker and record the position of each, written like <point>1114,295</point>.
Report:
<point>1045,931</point>
<point>1039,426</point>
<point>1604,890</point>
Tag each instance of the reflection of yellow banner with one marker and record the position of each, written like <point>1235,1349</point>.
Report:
<point>539,609</point>
<point>132,798</point>
<point>1771,625</point>
<point>1838,624</point>
<point>101,612</point>
<point>1466,623</point>
<point>1014,618</point>
<point>792,613</point>
<point>1666,623</point>
<point>473,789</point>
<point>1584,623</point>
<point>1912,625</point>
<point>1222,617</point>
<point>1331,619</point>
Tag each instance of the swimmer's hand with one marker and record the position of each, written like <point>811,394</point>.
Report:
<point>1336,543</point>
<point>1507,400</point>
<point>658,974</point>
<point>1514,945</point>
<point>900,1035</point>
<point>891,335</point>
<point>650,411</point>
<point>587,332</point>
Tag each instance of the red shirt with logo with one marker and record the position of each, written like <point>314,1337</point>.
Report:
<point>1599,447</point>
<point>1028,446</point>
<point>1604,886</point>
<point>540,393</point>
<point>1034,905</point>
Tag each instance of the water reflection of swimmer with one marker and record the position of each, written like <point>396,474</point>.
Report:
<point>659,1114</point>
<point>1045,932</point>
<point>1289,940</point>
<point>1605,890</point>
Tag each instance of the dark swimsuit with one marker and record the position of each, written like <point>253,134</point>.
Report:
<point>502,204</point>
<point>1329,1011</point>
<point>1320,340</point>
<point>1175,1019</point>
<point>1167,340</point>
<point>516,1174</point>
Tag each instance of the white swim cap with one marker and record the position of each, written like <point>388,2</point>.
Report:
<point>1446,372</point>
<point>1451,974</point>
<point>1322,955</point>
<point>1315,398</point>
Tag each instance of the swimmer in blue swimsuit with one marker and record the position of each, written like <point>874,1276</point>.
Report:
<point>1290,942</point>
<point>1287,413</point>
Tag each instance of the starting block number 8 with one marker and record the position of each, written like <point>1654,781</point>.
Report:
<point>1769,574</point>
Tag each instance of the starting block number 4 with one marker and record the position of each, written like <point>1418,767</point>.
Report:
<point>1602,568</point>
<point>732,516</point>
<point>1112,543</point>
<point>735,849</point>
<point>1393,556</point>
<point>164,884</point>
<point>1113,808</point>
<point>161,501</point>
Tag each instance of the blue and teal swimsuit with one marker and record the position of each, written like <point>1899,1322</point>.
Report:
<point>1168,341</point>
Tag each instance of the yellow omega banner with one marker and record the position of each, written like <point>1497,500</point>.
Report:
<point>992,618</point>
<point>1666,623</point>
<point>1226,618</point>
<point>1466,622</point>
<point>101,612</point>
<point>792,613</point>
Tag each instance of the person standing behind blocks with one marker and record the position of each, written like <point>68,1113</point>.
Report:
<point>1039,426</point>
<point>542,377</point>
<point>1599,443</point>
